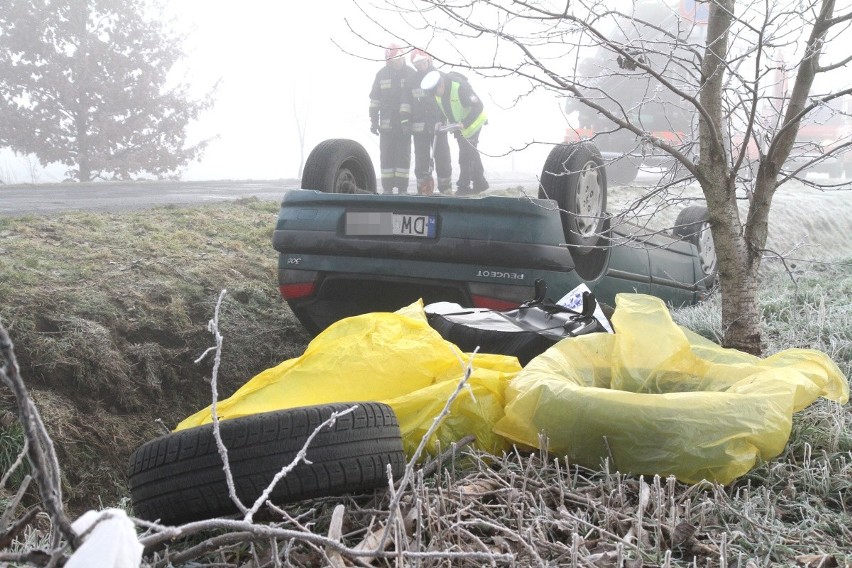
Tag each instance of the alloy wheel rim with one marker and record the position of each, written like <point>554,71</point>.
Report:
<point>589,194</point>
<point>707,249</point>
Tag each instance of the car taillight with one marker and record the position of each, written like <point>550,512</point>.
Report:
<point>493,303</point>
<point>297,290</point>
<point>499,297</point>
<point>578,134</point>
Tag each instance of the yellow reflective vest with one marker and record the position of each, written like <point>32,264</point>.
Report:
<point>460,112</point>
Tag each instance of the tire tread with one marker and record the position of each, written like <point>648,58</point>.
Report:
<point>178,477</point>
<point>327,157</point>
<point>559,185</point>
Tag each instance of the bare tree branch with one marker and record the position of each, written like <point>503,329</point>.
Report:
<point>41,454</point>
<point>213,327</point>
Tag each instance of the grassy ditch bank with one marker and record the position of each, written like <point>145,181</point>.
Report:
<point>109,311</point>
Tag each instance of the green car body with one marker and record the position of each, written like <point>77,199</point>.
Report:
<point>339,255</point>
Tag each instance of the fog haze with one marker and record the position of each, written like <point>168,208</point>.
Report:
<point>276,61</point>
<point>314,62</point>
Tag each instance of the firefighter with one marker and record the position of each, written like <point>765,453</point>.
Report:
<point>466,114</point>
<point>423,112</point>
<point>386,100</point>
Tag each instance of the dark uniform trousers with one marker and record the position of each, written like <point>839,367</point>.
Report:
<point>423,157</point>
<point>394,158</point>
<point>470,165</point>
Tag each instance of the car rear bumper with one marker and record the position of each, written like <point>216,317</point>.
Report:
<point>486,252</point>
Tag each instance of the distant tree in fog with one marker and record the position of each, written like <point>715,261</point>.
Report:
<point>86,83</point>
<point>300,114</point>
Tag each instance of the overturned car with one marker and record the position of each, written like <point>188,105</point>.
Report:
<point>345,250</point>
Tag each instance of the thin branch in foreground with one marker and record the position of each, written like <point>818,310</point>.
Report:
<point>213,327</point>
<point>301,456</point>
<point>263,532</point>
<point>42,454</point>
<point>14,467</point>
<point>9,533</point>
<point>435,464</point>
<point>467,366</point>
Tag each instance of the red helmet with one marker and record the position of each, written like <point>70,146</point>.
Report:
<point>392,52</point>
<point>418,55</point>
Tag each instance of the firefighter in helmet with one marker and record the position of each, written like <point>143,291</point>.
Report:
<point>386,104</point>
<point>466,115</point>
<point>430,143</point>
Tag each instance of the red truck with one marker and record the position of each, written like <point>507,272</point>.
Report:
<point>821,132</point>
<point>626,90</point>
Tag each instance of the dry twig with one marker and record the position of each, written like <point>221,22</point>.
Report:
<point>41,453</point>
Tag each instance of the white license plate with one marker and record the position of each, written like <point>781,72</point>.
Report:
<point>364,224</point>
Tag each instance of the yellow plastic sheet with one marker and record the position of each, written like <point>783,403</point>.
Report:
<point>394,358</point>
<point>657,399</point>
<point>653,398</point>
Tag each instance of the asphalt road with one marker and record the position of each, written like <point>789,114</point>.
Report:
<point>16,200</point>
<point>114,196</point>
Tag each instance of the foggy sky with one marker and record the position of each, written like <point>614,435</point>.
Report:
<point>276,62</point>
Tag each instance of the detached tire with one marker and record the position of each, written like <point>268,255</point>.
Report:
<point>574,176</point>
<point>178,478</point>
<point>339,166</point>
<point>693,226</point>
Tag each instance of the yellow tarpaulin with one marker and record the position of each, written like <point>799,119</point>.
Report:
<point>657,399</point>
<point>653,397</point>
<point>394,358</point>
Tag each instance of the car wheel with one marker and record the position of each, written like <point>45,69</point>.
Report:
<point>339,166</point>
<point>178,478</point>
<point>693,225</point>
<point>574,176</point>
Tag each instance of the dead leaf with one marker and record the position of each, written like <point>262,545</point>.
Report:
<point>478,487</point>
<point>644,495</point>
<point>603,558</point>
<point>335,532</point>
<point>682,533</point>
<point>817,561</point>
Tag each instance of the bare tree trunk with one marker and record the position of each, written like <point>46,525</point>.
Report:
<point>657,51</point>
<point>302,127</point>
<point>84,170</point>
<point>743,246</point>
<point>81,113</point>
<point>738,262</point>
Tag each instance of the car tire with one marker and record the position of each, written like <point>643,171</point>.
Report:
<point>574,176</point>
<point>593,265</point>
<point>693,225</point>
<point>339,166</point>
<point>178,478</point>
